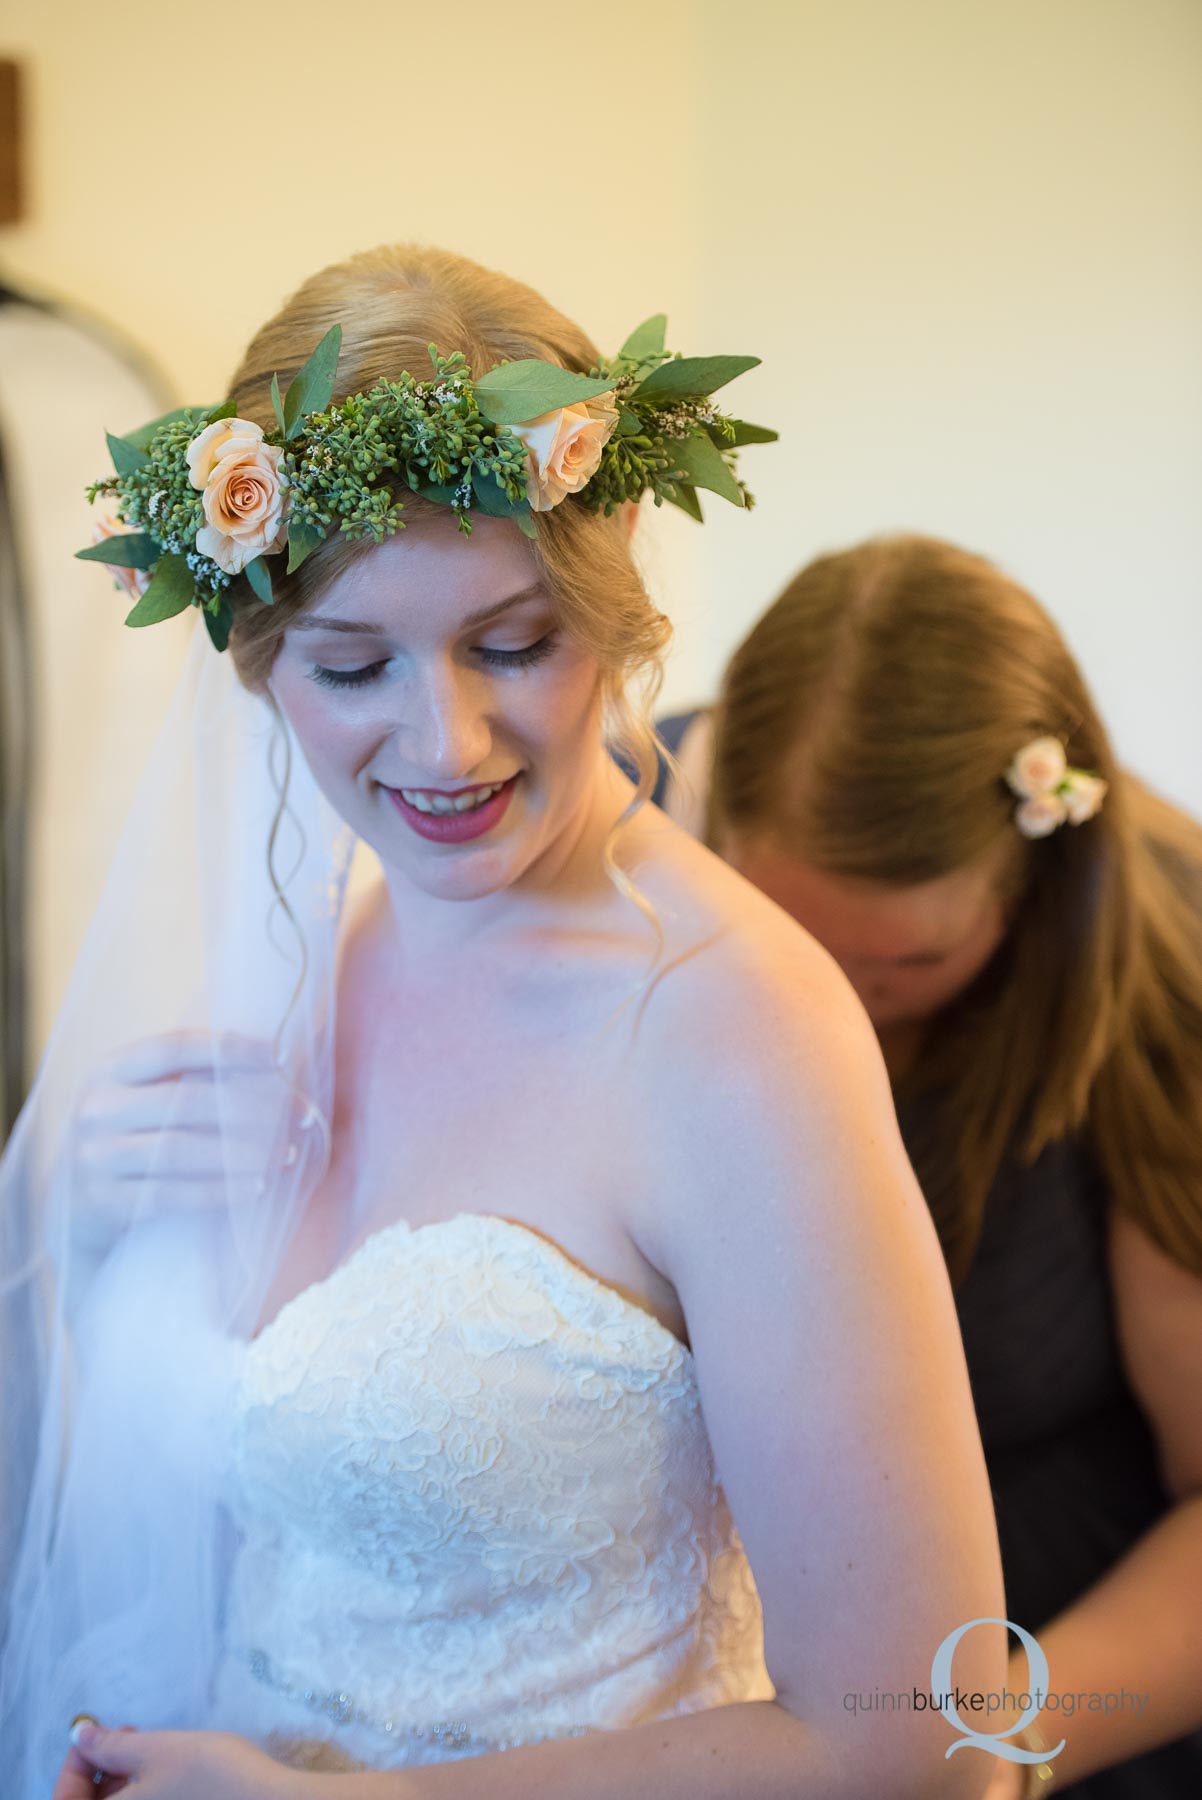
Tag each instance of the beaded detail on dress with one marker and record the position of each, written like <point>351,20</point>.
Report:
<point>476,1507</point>
<point>342,1709</point>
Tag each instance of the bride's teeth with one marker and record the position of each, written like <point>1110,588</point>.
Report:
<point>449,803</point>
<point>468,801</point>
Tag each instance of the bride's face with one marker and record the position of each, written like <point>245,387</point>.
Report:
<point>432,669</point>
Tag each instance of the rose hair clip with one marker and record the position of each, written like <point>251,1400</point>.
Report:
<point>202,498</point>
<point>1051,793</point>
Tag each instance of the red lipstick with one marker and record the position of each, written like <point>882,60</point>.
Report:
<point>454,827</point>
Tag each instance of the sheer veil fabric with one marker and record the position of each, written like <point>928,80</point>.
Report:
<point>120,1324</point>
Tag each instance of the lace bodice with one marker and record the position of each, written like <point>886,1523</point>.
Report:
<point>476,1506</point>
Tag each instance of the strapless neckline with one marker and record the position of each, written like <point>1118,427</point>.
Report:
<point>376,1240</point>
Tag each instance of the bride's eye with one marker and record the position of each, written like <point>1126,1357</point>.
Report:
<point>519,659</point>
<point>345,678</point>
<point>501,659</point>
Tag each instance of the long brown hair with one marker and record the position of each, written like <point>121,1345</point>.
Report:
<point>865,724</point>
<point>392,302</point>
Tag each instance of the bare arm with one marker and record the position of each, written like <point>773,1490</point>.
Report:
<point>829,1358</point>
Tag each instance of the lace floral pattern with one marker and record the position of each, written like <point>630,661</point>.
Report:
<point>472,1485</point>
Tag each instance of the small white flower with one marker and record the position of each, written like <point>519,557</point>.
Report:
<point>1039,815</point>
<point>1083,795</point>
<point>1038,767</point>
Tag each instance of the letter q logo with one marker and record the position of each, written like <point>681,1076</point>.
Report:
<point>942,1686</point>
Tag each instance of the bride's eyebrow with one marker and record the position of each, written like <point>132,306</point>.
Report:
<point>323,622</point>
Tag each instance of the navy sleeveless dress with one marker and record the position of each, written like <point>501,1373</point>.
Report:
<point>1072,1461</point>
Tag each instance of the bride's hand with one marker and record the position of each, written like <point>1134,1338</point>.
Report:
<point>173,1765</point>
<point>151,1111</point>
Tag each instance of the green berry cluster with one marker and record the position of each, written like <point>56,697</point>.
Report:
<point>430,433</point>
<point>641,455</point>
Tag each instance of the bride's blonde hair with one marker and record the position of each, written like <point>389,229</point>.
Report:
<point>866,723</point>
<point>391,303</point>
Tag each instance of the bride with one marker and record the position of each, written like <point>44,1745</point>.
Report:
<point>544,1352</point>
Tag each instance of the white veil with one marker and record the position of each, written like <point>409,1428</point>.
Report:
<point>120,1341</point>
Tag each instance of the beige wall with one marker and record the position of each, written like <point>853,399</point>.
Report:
<point>966,239</point>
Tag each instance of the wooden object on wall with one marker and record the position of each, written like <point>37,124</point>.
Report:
<point>11,184</point>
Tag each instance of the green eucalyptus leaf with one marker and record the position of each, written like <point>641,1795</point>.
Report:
<point>303,539</point>
<point>227,410</point>
<point>702,462</point>
<point>127,458</point>
<point>278,404</point>
<point>686,498</point>
<point>525,522</point>
<point>172,587</point>
<point>629,423</point>
<point>517,392</point>
<point>441,494</point>
<point>492,499</point>
<point>692,377</point>
<point>219,623</point>
<point>259,576</point>
<point>128,550</point>
<point>140,439</point>
<point>646,340</point>
<point>312,387</point>
<point>744,434</point>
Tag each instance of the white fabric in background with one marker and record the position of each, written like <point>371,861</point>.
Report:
<point>100,690</point>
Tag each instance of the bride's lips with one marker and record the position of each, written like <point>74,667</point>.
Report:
<point>455,828</point>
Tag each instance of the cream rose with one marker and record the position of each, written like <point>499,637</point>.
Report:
<point>245,503</point>
<point>226,437</point>
<point>134,581</point>
<point>564,448</point>
<point>1038,767</point>
<point>1083,795</point>
<point>1040,815</point>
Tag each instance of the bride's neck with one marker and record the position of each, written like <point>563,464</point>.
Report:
<point>563,882</point>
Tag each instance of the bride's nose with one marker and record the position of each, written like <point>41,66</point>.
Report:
<point>444,734</point>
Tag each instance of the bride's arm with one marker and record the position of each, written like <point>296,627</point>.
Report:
<point>837,1401</point>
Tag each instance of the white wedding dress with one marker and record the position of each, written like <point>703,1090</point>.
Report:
<point>476,1507</point>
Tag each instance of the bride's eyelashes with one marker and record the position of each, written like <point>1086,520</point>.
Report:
<point>501,659</point>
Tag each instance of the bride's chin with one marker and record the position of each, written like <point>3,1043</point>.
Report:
<point>455,878</point>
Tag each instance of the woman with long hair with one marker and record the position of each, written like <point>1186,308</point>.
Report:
<point>455,1327</point>
<point>905,756</point>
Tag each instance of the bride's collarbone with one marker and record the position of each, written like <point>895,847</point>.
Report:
<point>510,1104</point>
<point>540,1165</point>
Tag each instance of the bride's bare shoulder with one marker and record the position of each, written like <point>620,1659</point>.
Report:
<point>725,942</point>
<point>748,1034</point>
<point>742,996</point>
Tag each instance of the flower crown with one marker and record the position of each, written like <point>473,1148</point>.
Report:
<point>1052,794</point>
<point>204,496</point>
